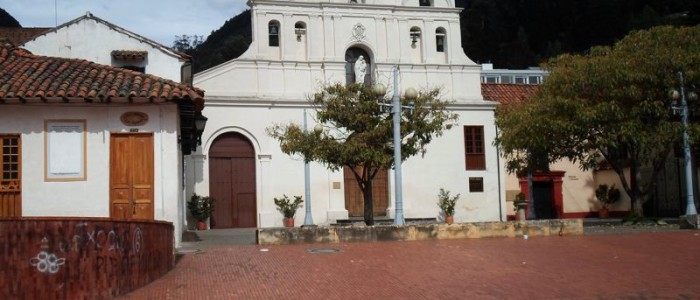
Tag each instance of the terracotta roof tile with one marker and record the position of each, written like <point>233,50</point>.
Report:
<point>129,54</point>
<point>17,36</point>
<point>28,77</point>
<point>506,93</point>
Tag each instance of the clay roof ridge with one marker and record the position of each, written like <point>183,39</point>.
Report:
<point>26,75</point>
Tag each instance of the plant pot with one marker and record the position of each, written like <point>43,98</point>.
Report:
<point>288,222</point>
<point>201,225</point>
<point>603,212</point>
<point>449,220</point>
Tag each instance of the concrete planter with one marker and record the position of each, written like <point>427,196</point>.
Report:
<point>334,234</point>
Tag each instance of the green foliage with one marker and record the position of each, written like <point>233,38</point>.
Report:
<point>519,34</point>
<point>611,104</point>
<point>187,43</point>
<point>446,202</point>
<point>358,134</point>
<point>287,207</point>
<point>200,207</point>
<point>225,43</point>
<point>607,195</point>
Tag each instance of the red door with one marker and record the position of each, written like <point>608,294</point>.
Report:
<point>232,182</point>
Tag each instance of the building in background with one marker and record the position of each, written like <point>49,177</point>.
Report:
<point>300,46</point>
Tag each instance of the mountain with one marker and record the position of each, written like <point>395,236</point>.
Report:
<point>509,33</point>
<point>224,44</point>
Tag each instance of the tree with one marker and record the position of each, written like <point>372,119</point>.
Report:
<point>187,43</point>
<point>610,104</point>
<point>359,135</point>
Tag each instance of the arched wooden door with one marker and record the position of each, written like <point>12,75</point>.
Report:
<point>232,182</point>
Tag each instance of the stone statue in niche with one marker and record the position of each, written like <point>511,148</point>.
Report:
<point>360,69</point>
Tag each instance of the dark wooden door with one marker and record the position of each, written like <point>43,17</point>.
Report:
<point>354,202</point>
<point>10,176</point>
<point>232,182</point>
<point>543,194</point>
<point>131,176</point>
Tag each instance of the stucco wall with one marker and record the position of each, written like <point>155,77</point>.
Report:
<point>298,66</point>
<point>90,197</point>
<point>94,41</point>
<point>277,173</point>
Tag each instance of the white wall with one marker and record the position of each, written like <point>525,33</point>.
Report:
<point>90,198</point>
<point>94,41</point>
<point>278,73</point>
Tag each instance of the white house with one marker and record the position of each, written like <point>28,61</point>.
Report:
<point>94,39</point>
<point>298,47</point>
<point>80,139</point>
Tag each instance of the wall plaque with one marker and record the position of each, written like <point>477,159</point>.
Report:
<point>134,118</point>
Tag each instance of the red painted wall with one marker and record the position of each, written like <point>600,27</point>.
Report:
<point>81,258</point>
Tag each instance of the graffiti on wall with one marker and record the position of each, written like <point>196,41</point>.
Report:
<point>117,242</point>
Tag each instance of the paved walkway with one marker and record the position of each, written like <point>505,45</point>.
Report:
<point>633,265</point>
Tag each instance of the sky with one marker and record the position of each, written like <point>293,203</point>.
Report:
<point>159,20</point>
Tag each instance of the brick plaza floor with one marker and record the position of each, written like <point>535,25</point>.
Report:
<point>649,265</point>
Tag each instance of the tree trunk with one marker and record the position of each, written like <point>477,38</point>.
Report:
<point>636,200</point>
<point>367,195</point>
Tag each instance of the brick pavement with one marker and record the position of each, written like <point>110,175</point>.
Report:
<point>649,265</point>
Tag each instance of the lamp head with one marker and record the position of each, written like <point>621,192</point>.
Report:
<point>318,128</point>
<point>379,90</point>
<point>674,94</point>
<point>411,94</point>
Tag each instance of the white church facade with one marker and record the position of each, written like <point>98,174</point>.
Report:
<point>298,47</point>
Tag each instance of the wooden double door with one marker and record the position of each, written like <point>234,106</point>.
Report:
<point>354,200</point>
<point>232,182</point>
<point>131,176</point>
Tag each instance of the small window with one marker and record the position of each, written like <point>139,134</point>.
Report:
<point>424,3</point>
<point>534,79</point>
<point>476,184</point>
<point>274,33</point>
<point>440,39</point>
<point>474,148</point>
<point>519,79</point>
<point>506,79</point>
<point>492,79</point>
<point>10,154</point>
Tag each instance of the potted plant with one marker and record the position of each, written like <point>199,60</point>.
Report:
<point>288,208</point>
<point>607,195</point>
<point>447,205</point>
<point>201,209</point>
<point>520,205</point>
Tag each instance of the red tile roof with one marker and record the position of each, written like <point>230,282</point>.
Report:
<point>129,54</point>
<point>25,77</point>
<point>506,93</point>
<point>19,35</point>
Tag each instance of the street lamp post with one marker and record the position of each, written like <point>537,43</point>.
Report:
<point>396,124</point>
<point>308,218</point>
<point>690,199</point>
